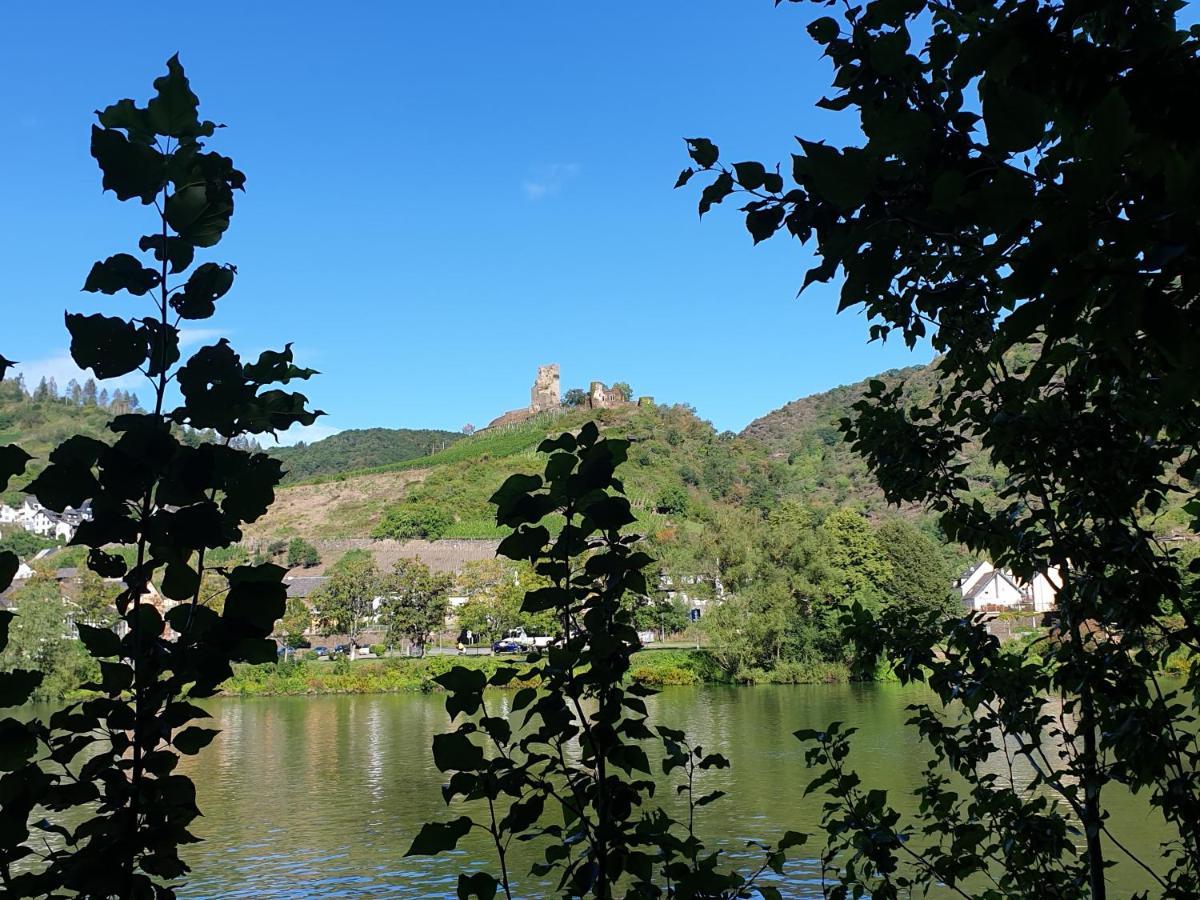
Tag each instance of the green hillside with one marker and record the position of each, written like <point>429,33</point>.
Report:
<point>822,467</point>
<point>360,448</point>
<point>39,425</point>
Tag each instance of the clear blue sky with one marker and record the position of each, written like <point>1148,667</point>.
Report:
<point>440,196</point>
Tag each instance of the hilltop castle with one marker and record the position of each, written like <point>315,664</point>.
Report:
<point>546,395</point>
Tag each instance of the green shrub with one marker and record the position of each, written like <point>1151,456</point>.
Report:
<point>413,520</point>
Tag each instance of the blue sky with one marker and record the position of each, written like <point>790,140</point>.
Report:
<point>442,196</point>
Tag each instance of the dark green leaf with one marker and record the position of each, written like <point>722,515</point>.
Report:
<point>193,739</point>
<point>208,283</point>
<point>110,347</point>
<point>764,222</point>
<point>130,169</point>
<point>703,151</point>
<point>843,178</point>
<point>18,744</point>
<point>438,837</point>
<point>17,686</point>
<point>721,188</point>
<point>12,462</point>
<point>1015,119</point>
<point>129,116</point>
<point>824,30</point>
<point>100,642</point>
<point>200,212</point>
<point>178,253</point>
<point>121,272</point>
<point>173,111</point>
<point>478,884</point>
<point>750,175</point>
<point>454,751</point>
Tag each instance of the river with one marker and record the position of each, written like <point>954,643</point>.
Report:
<point>321,796</point>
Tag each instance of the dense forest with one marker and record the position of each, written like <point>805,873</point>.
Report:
<point>360,448</point>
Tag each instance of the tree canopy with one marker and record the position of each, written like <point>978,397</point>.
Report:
<point>1023,197</point>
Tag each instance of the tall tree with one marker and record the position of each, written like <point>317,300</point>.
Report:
<point>346,603</point>
<point>1023,197</point>
<point>106,764</point>
<point>414,603</point>
<point>919,579</point>
<point>89,392</point>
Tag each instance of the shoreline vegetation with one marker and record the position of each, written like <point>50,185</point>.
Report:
<point>653,668</point>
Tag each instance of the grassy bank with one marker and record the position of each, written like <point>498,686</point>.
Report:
<point>657,668</point>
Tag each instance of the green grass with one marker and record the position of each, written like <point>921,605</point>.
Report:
<point>656,668</point>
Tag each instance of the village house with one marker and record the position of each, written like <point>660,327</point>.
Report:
<point>984,588</point>
<point>31,516</point>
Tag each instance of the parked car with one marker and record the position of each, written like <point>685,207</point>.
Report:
<point>507,645</point>
<point>527,641</point>
<point>320,651</point>
<point>342,649</point>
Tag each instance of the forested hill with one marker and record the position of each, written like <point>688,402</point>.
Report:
<point>39,420</point>
<point>360,448</point>
<point>821,464</point>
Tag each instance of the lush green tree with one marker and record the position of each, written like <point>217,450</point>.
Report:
<point>575,397</point>
<point>920,579</point>
<point>301,553</point>
<point>660,614</point>
<point>414,520</point>
<point>623,388</point>
<point>495,590</point>
<point>296,621</point>
<point>414,603</point>
<point>672,500</point>
<point>95,601</point>
<point>39,640</point>
<point>1019,200</point>
<point>346,603</point>
<point>860,567</point>
<point>25,544</point>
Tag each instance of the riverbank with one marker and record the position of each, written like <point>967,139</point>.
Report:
<point>654,668</point>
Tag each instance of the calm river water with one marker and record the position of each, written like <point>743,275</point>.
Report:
<point>321,796</point>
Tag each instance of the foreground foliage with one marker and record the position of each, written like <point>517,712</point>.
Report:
<point>106,765</point>
<point>573,773</point>
<point>1025,198</point>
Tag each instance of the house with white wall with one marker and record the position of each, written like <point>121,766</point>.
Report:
<point>983,587</point>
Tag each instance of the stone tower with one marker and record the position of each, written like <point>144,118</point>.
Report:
<point>545,391</point>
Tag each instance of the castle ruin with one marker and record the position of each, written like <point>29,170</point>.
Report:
<point>545,391</point>
<point>546,395</point>
<point>601,396</point>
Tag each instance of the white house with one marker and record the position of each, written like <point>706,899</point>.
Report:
<point>1043,589</point>
<point>994,591</point>
<point>985,588</point>
<point>35,518</point>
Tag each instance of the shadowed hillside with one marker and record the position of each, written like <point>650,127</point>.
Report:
<point>363,448</point>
